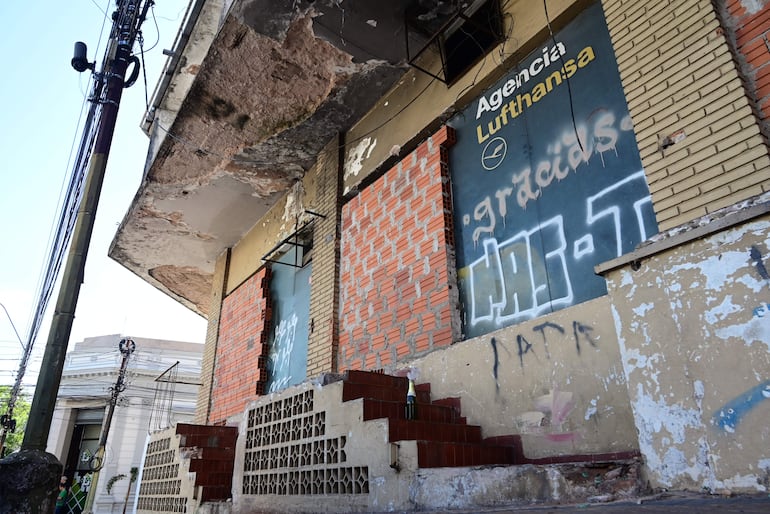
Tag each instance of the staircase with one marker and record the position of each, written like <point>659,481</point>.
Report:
<point>444,439</point>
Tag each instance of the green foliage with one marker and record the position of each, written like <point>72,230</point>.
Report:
<point>20,414</point>
<point>111,482</point>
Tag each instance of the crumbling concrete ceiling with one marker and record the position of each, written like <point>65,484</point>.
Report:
<point>266,99</point>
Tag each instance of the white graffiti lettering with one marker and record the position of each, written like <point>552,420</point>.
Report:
<point>613,212</point>
<point>515,273</point>
<point>563,156</point>
<point>528,274</point>
<point>280,353</point>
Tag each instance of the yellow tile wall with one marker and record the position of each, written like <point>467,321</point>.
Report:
<point>679,75</point>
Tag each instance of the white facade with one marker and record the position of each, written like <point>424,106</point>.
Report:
<point>146,405</point>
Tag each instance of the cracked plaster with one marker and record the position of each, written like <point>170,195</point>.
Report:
<point>266,99</point>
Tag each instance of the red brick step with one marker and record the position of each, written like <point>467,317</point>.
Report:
<point>442,435</point>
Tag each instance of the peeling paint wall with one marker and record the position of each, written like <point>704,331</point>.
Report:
<point>694,330</point>
<point>557,380</point>
<point>279,222</point>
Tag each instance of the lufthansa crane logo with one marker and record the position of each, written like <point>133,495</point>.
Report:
<point>494,153</point>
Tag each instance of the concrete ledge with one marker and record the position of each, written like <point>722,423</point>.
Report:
<point>696,229</point>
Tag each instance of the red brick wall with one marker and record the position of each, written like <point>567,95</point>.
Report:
<point>752,40</point>
<point>397,262</point>
<point>239,372</point>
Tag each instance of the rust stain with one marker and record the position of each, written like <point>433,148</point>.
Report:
<point>190,283</point>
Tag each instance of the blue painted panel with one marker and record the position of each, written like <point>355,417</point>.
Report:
<point>290,294</point>
<point>535,207</point>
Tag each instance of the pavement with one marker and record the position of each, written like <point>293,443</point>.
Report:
<point>660,503</point>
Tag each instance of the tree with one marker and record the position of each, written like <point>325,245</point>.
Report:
<point>20,414</point>
<point>111,482</point>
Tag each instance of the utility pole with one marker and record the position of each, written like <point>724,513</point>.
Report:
<point>126,347</point>
<point>128,19</point>
<point>33,461</point>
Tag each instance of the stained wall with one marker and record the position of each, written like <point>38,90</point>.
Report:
<point>694,334</point>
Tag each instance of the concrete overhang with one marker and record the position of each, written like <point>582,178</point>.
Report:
<point>253,91</point>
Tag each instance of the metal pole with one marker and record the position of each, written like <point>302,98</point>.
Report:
<point>42,470</point>
<point>7,419</point>
<point>126,347</point>
<point>114,71</point>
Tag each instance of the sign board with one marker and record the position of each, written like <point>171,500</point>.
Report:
<point>546,181</point>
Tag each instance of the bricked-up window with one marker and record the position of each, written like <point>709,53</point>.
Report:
<point>290,304</point>
<point>396,268</point>
<point>460,35</point>
<point>547,181</point>
<point>239,375</point>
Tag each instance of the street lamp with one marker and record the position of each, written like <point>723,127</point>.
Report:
<point>6,420</point>
<point>13,326</point>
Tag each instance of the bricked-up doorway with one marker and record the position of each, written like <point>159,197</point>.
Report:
<point>287,340</point>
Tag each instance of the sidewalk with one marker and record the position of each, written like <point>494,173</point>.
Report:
<point>661,503</point>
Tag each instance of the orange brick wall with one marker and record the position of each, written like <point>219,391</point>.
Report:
<point>752,41</point>
<point>240,373</point>
<point>397,293</point>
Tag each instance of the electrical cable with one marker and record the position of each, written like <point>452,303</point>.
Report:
<point>140,39</point>
<point>563,66</point>
<point>100,9</point>
<point>60,236</point>
<point>157,29</point>
<point>44,288</point>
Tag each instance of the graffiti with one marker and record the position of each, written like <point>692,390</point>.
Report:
<point>529,273</point>
<point>525,346</point>
<point>762,311</point>
<point>552,410</point>
<point>280,353</point>
<point>496,365</point>
<point>541,328</point>
<point>542,195</point>
<point>756,256</point>
<point>602,138</point>
<point>584,330</point>
<point>733,412</point>
<point>563,156</point>
<point>290,298</point>
<point>508,282</point>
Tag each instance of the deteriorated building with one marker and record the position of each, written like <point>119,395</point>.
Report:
<point>554,216</point>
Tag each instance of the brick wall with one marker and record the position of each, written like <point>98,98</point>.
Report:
<point>324,293</point>
<point>240,373</point>
<point>749,23</point>
<point>203,404</point>
<point>397,292</point>
<point>678,74</point>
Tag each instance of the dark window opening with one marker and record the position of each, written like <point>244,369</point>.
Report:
<point>460,34</point>
<point>301,240</point>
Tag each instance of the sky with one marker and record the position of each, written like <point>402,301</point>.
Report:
<point>43,98</point>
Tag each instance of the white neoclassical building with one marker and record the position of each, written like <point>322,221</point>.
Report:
<point>161,386</point>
